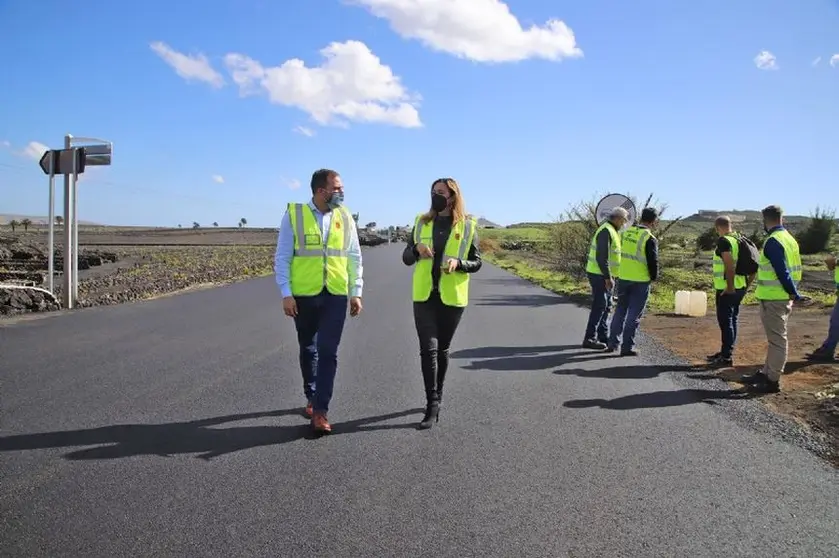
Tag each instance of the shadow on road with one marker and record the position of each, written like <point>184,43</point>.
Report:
<point>529,363</point>
<point>526,358</point>
<point>528,300</point>
<point>657,399</point>
<point>494,352</point>
<point>196,436</point>
<point>632,372</point>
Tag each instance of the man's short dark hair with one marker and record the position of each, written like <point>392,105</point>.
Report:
<point>649,215</point>
<point>723,221</point>
<point>321,177</point>
<point>772,212</point>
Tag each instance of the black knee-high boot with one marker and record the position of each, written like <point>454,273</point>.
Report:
<point>442,368</point>
<point>428,360</point>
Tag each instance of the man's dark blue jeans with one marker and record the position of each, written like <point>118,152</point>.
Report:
<point>601,302</point>
<point>320,323</point>
<point>728,310</point>
<point>632,300</point>
<point>829,345</point>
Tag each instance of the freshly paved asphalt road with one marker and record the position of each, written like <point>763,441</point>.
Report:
<point>172,428</point>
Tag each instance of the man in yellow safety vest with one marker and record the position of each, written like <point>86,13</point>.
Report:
<point>638,268</point>
<point>730,289</point>
<point>827,351</point>
<point>778,275</point>
<point>319,271</point>
<point>604,258</point>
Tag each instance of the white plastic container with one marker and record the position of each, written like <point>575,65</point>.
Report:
<point>682,303</point>
<point>698,305</point>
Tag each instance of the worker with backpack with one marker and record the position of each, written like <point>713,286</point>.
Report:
<point>735,265</point>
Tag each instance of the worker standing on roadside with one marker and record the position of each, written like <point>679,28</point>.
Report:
<point>443,248</point>
<point>318,269</point>
<point>778,275</point>
<point>827,351</point>
<point>604,259</point>
<point>730,289</point>
<point>638,268</point>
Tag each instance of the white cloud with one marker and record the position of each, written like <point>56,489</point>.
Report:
<point>480,30</point>
<point>7,143</point>
<point>816,61</point>
<point>351,84</point>
<point>190,67</point>
<point>765,60</point>
<point>834,60</point>
<point>291,183</point>
<point>218,178</point>
<point>34,150</point>
<point>302,130</point>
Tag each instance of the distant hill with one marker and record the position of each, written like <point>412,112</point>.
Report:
<point>737,215</point>
<point>36,220</point>
<point>487,224</point>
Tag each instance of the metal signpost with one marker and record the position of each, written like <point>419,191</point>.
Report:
<point>70,162</point>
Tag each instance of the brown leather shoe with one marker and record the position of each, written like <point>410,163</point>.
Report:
<point>320,424</point>
<point>308,411</point>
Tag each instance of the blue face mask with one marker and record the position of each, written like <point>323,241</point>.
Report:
<point>336,200</point>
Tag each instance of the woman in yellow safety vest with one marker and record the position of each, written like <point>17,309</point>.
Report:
<point>443,247</point>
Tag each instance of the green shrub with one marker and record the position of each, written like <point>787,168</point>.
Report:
<point>816,237</point>
<point>708,239</point>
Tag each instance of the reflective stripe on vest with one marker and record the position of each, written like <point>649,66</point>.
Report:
<point>614,251</point>
<point>768,285</point>
<point>317,264</point>
<point>633,264</point>
<point>720,283</point>
<point>453,287</point>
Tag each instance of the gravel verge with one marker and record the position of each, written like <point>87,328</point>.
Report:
<point>746,411</point>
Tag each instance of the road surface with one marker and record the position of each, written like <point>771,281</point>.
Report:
<point>172,428</point>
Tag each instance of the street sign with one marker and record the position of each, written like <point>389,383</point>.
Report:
<point>62,161</point>
<point>70,162</point>
<point>46,160</point>
<point>96,160</point>
<point>104,149</point>
<point>90,156</point>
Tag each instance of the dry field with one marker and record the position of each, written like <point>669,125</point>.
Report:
<point>121,264</point>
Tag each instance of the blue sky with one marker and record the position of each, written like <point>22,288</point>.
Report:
<point>650,95</point>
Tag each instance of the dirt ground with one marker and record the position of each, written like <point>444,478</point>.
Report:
<point>695,338</point>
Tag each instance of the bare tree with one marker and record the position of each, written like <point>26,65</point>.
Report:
<point>570,235</point>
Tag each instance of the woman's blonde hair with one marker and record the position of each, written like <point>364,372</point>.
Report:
<point>457,204</point>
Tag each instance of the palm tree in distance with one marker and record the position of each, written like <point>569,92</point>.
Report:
<point>242,222</point>
<point>26,222</point>
<point>14,224</point>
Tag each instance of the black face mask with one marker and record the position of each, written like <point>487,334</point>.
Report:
<point>438,202</point>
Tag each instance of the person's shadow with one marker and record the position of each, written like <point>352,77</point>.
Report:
<point>658,399</point>
<point>195,436</point>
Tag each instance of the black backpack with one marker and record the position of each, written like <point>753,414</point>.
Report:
<point>748,257</point>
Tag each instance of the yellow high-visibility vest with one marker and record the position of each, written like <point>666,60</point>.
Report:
<point>453,287</point>
<point>315,265</point>
<point>633,262</point>
<point>768,285</point>
<point>720,283</point>
<point>614,253</point>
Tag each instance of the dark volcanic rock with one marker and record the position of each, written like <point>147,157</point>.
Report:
<point>22,301</point>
